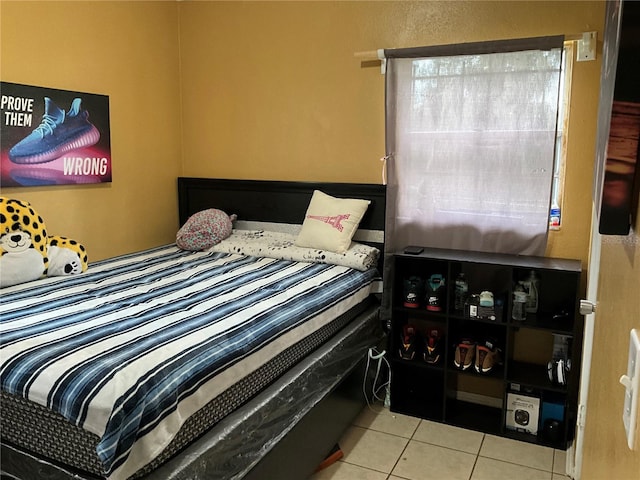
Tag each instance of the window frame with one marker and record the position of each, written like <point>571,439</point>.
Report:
<point>560,158</point>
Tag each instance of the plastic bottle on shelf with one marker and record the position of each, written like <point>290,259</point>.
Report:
<point>532,287</point>
<point>461,291</point>
<point>519,303</point>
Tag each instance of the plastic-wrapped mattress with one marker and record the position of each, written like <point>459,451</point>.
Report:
<point>233,447</point>
<point>148,282</point>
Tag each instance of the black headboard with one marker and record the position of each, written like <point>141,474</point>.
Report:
<point>280,202</point>
<point>273,201</point>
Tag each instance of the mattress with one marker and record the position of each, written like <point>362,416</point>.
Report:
<point>144,344</point>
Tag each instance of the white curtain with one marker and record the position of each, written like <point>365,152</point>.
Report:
<point>470,142</point>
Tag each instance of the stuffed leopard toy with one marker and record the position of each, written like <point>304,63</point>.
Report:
<point>27,252</point>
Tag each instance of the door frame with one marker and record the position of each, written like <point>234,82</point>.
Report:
<point>611,43</point>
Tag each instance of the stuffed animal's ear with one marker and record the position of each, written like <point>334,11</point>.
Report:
<point>23,243</point>
<point>19,216</point>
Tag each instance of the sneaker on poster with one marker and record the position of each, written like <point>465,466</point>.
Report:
<point>57,134</point>
<point>465,354</point>
<point>435,292</point>
<point>413,291</point>
<point>408,342</point>
<point>487,356</point>
<point>433,346</point>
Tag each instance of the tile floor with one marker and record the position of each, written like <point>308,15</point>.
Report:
<point>381,445</point>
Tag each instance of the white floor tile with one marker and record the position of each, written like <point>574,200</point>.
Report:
<point>490,469</point>
<point>371,449</point>
<point>449,436</point>
<point>382,445</point>
<point>560,462</point>
<point>345,471</point>
<point>421,460</point>
<point>520,453</point>
<point>383,420</point>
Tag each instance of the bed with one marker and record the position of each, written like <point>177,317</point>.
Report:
<point>274,409</point>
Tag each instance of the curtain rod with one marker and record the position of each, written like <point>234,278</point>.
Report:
<point>586,48</point>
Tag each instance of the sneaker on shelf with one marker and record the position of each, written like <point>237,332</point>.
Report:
<point>465,353</point>
<point>408,342</point>
<point>413,291</point>
<point>435,292</point>
<point>487,356</point>
<point>433,346</point>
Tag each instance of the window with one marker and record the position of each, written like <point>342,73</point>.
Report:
<point>471,136</point>
<point>555,216</point>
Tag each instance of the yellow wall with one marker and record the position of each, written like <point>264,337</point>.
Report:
<point>128,51</point>
<point>606,455</point>
<point>271,90</point>
<point>292,102</point>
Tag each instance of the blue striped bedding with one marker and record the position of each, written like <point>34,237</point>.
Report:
<point>138,343</point>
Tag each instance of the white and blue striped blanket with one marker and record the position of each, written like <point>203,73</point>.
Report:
<point>134,346</point>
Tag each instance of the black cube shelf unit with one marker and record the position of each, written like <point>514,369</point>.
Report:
<point>485,401</point>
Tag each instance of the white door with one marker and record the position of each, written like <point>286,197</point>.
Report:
<point>607,84</point>
<point>574,453</point>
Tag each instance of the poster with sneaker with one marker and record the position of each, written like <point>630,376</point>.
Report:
<point>53,137</point>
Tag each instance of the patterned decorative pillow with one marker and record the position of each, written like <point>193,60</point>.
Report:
<point>205,229</point>
<point>330,222</point>
<point>261,243</point>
